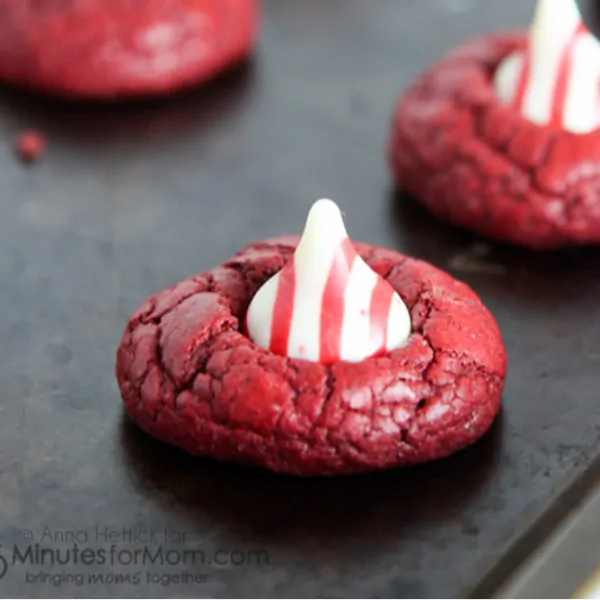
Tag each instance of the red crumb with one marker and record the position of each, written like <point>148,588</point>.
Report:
<point>30,145</point>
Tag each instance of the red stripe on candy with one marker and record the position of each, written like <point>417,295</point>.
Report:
<point>332,303</point>
<point>523,83</point>
<point>283,310</point>
<point>379,313</point>
<point>559,95</point>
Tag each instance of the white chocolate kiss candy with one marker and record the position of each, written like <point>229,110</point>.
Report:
<point>556,80</point>
<point>327,304</point>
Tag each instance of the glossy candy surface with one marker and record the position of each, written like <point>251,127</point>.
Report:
<point>326,304</point>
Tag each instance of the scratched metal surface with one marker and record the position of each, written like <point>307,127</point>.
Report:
<point>131,199</point>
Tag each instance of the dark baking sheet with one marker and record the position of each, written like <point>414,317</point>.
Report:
<point>131,199</point>
<point>567,564</point>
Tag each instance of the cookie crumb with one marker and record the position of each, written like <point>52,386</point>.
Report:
<point>30,145</point>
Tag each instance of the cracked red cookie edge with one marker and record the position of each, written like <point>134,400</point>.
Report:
<point>189,377</point>
<point>478,164</point>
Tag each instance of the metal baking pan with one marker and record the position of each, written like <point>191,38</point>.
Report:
<point>130,199</point>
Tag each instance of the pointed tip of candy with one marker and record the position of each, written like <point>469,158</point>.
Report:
<point>325,204</point>
<point>324,225</point>
<point>555,14</point>
<point>325,212</point>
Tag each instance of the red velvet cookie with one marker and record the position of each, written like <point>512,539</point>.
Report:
<point>121,48</point>
<point>190,375</point>
<point>476,162</point>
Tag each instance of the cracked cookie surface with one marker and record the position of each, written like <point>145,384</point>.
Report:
<point>121,48</point>
<point>479,164</point>
<point>190,376</point>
